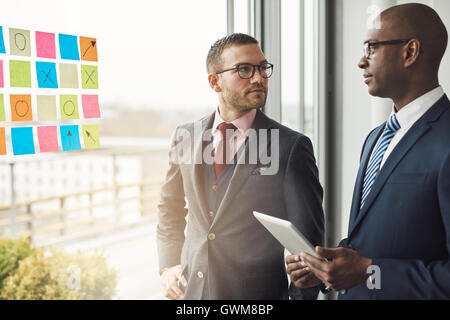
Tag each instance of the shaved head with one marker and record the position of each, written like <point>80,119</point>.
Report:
<point>418,21</point>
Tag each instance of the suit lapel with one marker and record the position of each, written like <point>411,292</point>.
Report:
<point>243,170</point>
<point>198,167</point>
<point>418,130</point>
<point>370,144</point>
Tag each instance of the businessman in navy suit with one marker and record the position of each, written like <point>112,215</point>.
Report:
<point>400,216</point>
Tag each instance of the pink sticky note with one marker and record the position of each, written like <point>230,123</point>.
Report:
<point>45,45</point>
<point>1,74</point>
<point>48,140</point>
<point>90,106</point>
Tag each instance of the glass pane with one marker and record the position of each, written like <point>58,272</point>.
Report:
<point>290,64</point>
<point>241,16</point>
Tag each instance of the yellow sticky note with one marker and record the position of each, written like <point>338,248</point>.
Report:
<point>91,136</point>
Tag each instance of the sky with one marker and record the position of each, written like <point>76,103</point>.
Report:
<point>151,53</point>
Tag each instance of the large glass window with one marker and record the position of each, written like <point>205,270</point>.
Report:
<point>297,65</point>
<point>152,77</point>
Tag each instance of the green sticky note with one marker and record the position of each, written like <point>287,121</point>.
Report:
<point>2,107</point>
<point>89,77</point>
<point>69,106</point>
<point>20,73</point>
<point>68,75</point>
<point>46,106</point>
<point>19,42</point>
<point>91,136</point>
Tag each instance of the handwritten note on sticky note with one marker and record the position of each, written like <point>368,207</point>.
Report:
<point>21,107</point>
<point>69,106</point>
<point>91,136</point>
<point>22,140</point>
<point>46,75</point>
<point>70,138</point>
<point>88,49</point>
<point>2,141</point>
<point>19,42</point>
<point>89,77</point>
<point>48,139</point>
<point>90,106</point>
<point>45,45</point>
<point>20,73</point>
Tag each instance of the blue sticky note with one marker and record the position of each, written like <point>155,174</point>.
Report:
<point>2,42</point>
<point>70,138</point>
<point>68,47</point>
<point>46,74</point>
<point>22,140</point>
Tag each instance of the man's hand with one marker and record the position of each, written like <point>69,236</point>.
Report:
<point>169,280</point>
<point>344,267</point>
<point>300,274</point>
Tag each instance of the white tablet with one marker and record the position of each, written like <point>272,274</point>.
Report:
<point>286,233</point>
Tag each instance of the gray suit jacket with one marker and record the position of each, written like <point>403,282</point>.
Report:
<point>244,261</point>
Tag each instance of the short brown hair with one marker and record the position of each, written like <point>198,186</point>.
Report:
<point>213,61</point>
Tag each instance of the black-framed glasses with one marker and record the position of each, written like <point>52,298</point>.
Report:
<point>367,49</point>
<point>247,70</point>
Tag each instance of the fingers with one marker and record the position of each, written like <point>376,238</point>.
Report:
<point>297,274</point>
<point>329,253</point>
<point>292,258</point>
<point>172,291</point>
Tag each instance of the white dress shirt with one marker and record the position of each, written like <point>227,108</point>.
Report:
<point>409,114</point>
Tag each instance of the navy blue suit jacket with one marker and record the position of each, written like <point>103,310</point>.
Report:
<point>404,225</point>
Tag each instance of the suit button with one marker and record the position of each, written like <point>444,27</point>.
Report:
<point>200,274</point>
<point>214,187</point>
<point>211,213</point>
<point>211,236</point>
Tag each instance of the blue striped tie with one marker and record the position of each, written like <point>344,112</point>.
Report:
<point>390,129</point>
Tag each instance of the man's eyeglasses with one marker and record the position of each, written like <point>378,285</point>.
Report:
<point>368,51</point>
<point>247,70</point>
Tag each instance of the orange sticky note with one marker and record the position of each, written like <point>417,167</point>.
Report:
<point>88,49</point>
<point>2,141</point>
<point>21,107</point>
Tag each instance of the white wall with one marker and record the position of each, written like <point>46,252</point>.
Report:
<point>355,111</point>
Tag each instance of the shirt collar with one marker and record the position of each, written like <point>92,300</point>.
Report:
<point>413,111</point>
<point>243,123</point>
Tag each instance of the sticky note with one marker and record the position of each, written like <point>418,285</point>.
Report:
<point>89,77</point>
<point>46,107</point>
<point>20,73</point>
<point>2,84</point>
<point>88,49</point>
<point>48,139</point>
<point>2,107</point>
<point>70,138</point>
<point>19,42</point>
<point>68,47</point>
<point>91,136</point>
<point>69,106</point>
<point>22,140</point>
<point>45,45</point>
<point>90,106</point>
<point>68,75</point>
<point>2,41</point>
<point>46,75</point>
<point>21,107</point>
<point>2,141</point>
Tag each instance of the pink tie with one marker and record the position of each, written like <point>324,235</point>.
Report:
<point>219,167</point>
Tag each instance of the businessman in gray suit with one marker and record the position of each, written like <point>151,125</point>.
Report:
<point>241,161</point>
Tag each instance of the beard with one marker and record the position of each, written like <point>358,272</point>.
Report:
<point>246,100</point>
